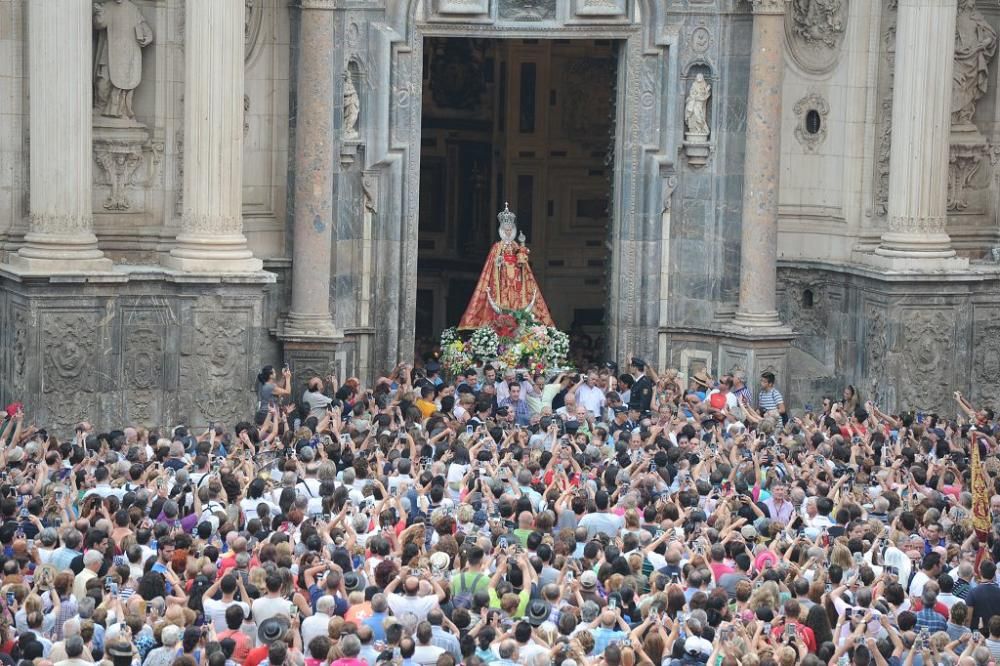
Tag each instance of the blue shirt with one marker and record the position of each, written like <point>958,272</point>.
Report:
<point>603,637</point>
<point>522,413</point>
<point>931,620</point>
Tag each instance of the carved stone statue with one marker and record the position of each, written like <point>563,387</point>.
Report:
<point>975,46</point>
<point>352,107</point>
<point>696,108</point>
<point>122,34</point>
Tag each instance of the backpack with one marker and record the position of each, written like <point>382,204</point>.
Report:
<point>464,597</point>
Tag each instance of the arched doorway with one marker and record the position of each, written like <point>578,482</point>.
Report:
<point>642,172</point>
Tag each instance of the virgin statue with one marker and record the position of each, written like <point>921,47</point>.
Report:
<point>975,46</point>
<point>506,283</point>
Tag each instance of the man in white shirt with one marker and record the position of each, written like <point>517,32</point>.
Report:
<point>316,624</point>
<point>589,395</point>
<point>930,568</point>
<point>411,603</point>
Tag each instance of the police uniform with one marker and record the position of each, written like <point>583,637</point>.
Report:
<point>641,397</point>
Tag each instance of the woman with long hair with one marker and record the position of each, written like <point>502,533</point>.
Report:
<point>269,387</point>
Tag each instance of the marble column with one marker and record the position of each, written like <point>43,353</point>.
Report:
<point>759,240</point>
<point>211,237</point>
<point>312,238</point>
<point>60,236</point>
<point>921,126</point>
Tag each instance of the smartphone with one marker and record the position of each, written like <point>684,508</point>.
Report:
<point>24,512</point>
<point>612,603</point>
<point>767,628</point>
<point>789,630</point>
<point>10,599</point>
<point>108,582</point>
<point>502,542</point>
<point>468,430</point>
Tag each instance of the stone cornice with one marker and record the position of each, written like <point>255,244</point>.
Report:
<point>316,4</point>
<point>768,6</point>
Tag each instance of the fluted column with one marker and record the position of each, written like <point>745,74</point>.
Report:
<point>921,125</point>
<point>759,240</point>
<point>60,236</point>
<point>313,224</point>
<point>211,237</point>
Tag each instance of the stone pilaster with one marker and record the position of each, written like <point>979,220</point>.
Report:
<point>921,125</point>
<point>312,239</point>
<point>60,236</point>
<point>759,241</point>
<point>211,237</point>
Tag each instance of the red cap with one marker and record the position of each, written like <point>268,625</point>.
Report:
<point>717,400</point>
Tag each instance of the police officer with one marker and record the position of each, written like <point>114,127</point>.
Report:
<point>641,397</point>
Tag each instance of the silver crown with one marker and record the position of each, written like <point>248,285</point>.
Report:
<point>505,216</point>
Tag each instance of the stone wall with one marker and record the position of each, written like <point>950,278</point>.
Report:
<point>144,349</point>
<point>905,341</point>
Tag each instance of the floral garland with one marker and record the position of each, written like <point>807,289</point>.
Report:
<point>514,339</point>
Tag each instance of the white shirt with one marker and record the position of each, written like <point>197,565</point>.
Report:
<point>313,626</point>
<point>917,585</point>
<point>266,607</point>
<point>591,397</point>
<point>216,610</point>
<point>419,607</point>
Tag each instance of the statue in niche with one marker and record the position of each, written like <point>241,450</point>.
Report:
<point>122,34</point>
<point>975,46</point>
<point>696,107</point>
<point>352,107</point>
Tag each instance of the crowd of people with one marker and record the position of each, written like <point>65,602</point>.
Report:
<point>582,519</point>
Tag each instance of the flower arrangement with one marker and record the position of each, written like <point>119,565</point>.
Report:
<point>510,341</point>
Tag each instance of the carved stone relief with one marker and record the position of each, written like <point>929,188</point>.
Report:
<point>881,188</point>
<point>219,342</point>
<point>588,8</point>
<point>926,338</point>
<point>810,131</point>
<point>120,153</point>
<point>815,31</point>
<point>876,348</point>
<point>465,7</point>
<point>69,343</point>
<point>975,48</point>
<point>527,10</point>
<point>986,362</point>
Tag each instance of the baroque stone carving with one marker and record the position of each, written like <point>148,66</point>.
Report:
<point>811,141</point>
<point>466,7</point>
<point>986,366</point>
<point>528,10</point>
<point>926,341</point>
<point>966,154</point>
<point>881,188</point>
<point>143,357</point>
<point>876,349</point>
<point>815,30</point>
<point>768,6</point>
<point>69,341</point>
<point>119,153</point>
<point>122,34</point>
<point>600,7</point>
<point>219,344</point>
<point>696,121</point>
<point>975,47</point>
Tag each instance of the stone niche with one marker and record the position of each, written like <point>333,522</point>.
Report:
<point>132,348</point>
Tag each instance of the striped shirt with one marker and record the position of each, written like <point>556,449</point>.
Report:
<point>769,400</point>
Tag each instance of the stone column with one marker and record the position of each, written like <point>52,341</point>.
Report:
<point>921,126</point>
<point>312,238</point>
<point>211,237</point>
<point>759,241</point>
<point>60,236</point>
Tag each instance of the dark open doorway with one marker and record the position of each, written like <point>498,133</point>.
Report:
<point>525,121</point>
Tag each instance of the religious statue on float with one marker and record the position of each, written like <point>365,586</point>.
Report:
<point>506,284</point>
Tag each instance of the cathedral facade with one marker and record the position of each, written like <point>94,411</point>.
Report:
<point>194,189</point>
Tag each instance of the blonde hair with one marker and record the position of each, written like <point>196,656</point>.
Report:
<point>841,556</point>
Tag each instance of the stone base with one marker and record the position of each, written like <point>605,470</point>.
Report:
<point>729,348</point>
<point>308,358</point>
<point>910,262</point>
<point>308,328</point>
<point>906,340</point>
<point>73,265</point>
<point>136,346</point>
<point>201,264</point>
